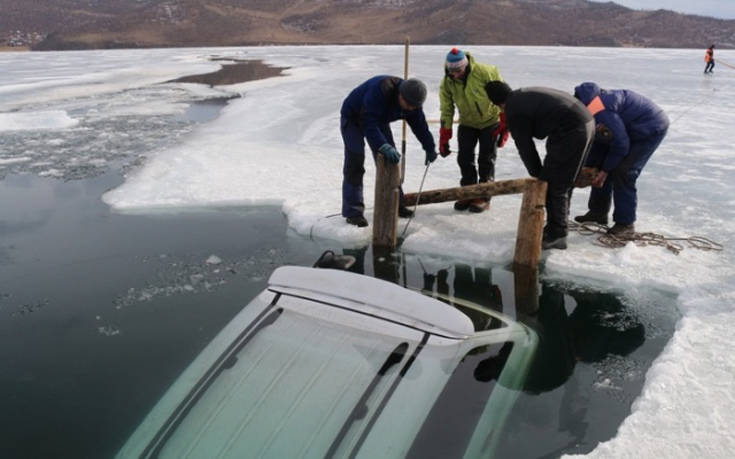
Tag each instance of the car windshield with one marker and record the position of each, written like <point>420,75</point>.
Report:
<point>313,384</point>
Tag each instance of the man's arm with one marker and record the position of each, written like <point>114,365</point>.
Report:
<point>619,143</point>
<point>521,131</point>
<point>417,121</point>
<point>372,116</point>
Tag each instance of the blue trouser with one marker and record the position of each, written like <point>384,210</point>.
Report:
<point>353,203</point>
<point>620,184</point>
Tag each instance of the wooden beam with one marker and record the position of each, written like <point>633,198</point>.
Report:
<point>385,213</point>
<point>481,190</point>
<point>531,225</point>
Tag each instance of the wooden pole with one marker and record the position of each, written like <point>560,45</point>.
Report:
<point>403,136</point>
<point>525,285</point>
<point>385,214</point>
<point>530,225</point>
<point>481,190</point>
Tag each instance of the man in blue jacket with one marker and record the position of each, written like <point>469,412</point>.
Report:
<point>366,114</point>
<point>629,128</point>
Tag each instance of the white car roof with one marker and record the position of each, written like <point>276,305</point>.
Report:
<point>386,299</point>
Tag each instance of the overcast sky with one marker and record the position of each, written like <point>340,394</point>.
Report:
<point>718,8</point>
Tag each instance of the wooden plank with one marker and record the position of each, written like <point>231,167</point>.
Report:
<point>481,190</point>
<point>385,214</point>
<point>530,225</point>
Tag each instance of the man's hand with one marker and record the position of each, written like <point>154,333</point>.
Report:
<point>390,153</point>
<point>501,132</point>
<point>599,179</point>
<point>444,135</point>
<point>430,157</point>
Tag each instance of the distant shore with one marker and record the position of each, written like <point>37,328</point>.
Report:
<point>4,49</point>
<point>238,72</point>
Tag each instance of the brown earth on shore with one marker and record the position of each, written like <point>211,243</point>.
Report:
<point>238,72</point>
<point>86,24</point>
<point>4,49</point>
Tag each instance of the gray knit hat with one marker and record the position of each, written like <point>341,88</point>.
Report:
<point>413,91</point>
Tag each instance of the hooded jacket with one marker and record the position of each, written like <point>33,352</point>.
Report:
<point>375,103</point>
<point>469,96</point>
<point>628,116</point>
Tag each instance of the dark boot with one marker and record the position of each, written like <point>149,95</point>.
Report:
<point>462,204</point>
<point>554,238</point>
<point>620,230</point>
<point>479,205</point>
<point>405,212</point>
<point>357,220</point>
<point>550,242</point>
<point>592,217</point>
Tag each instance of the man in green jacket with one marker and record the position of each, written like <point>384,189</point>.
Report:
<point>463,87</point>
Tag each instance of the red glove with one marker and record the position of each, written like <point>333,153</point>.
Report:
<point>501,131</point>
<point>444,135</point>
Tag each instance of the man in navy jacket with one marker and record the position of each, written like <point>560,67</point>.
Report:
<point>629,128</point>
<point>366,114</point>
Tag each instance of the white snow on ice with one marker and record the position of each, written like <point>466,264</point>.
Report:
<point>26,121</point>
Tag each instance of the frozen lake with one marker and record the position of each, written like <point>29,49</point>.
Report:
<point>110,280</point>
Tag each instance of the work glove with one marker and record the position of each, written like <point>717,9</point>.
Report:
<point>444,135</point>
<point>390,153</point>
<point>599,179</point>
<point>430,157</point>
<point>501,131</point>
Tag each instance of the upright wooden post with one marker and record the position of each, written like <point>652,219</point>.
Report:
<point>525,283</point>
<point>403,134</point>
<point>531,225</point>
<point>385,214</point>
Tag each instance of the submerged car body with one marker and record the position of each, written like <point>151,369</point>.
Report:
<point>328,363</point>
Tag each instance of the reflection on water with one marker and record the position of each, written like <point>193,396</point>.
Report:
<point>594,347</point>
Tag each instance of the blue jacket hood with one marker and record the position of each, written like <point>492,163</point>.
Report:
<point>586,92</point>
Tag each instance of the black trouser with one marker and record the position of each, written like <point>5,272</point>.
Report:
<point>710,65</point>
<point>565,154</point>
<point>467,138</point>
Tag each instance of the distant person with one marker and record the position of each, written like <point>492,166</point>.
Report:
<point>629,129</point>
<point>545,113</point>
<point>709,58</point>
<point>366,114</point>
<point>480,121</point>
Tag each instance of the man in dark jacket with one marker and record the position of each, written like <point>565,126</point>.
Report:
<point>546,113</point>
<point>366,114</point>
<point>629,129</point>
